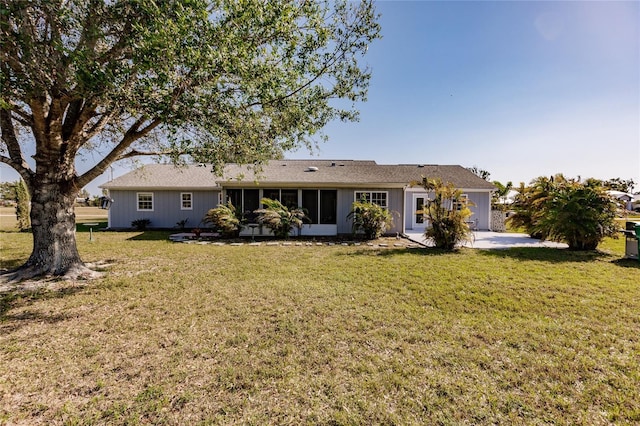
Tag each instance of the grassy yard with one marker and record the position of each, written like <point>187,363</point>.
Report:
<point>8,220</point>
<point>200,334</point>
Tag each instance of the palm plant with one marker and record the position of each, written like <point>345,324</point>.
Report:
<point>498,198</point>
<point>280,219</point>
<point>580,215</point>
<point>529,203</point>
<point>225,219</point>
<point>370,219</point>
<point>561,209</point>
<point>448,213</point>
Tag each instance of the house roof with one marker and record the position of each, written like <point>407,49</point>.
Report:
<point>349,173</point>
<point>337,173</point>
<point>165,176</point>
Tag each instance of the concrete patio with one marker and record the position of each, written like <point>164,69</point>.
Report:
<point>495,240</point>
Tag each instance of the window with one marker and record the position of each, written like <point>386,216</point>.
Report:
<point>420,210</point>
<point>289,198</point>
<point>310,204</point>
<point>461,202</point>
<point>251,200</point>
<point>378,198</point>
<point>186,201</point>
<point>145,201</point>
<point>321,206</point>
<point>234,196</point>
<point>329,207</point>
<point>272,194</point>
<point>250,203</point>
<point>246,201</point>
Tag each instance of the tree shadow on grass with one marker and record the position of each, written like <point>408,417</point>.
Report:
<point>546,254</point>
<point>18,299</point>
<point>85,227</point>
<point>402,251</point>
<point>540,254</point>
<point>152,236</point>
<point>627,263</point>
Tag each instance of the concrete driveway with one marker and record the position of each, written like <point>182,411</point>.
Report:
<point>496,240</point>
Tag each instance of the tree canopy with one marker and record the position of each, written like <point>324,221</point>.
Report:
<point>217,80</point>
<point>210,81</point>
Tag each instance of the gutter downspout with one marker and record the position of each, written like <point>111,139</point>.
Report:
<point>404,207</point>
<point>490,216</point>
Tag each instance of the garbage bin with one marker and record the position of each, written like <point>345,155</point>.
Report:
<point>632,237</point>
<point>638,239</point>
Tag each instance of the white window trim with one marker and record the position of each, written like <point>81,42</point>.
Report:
<point>369,191</point>
<point>190,194</point>
<point>138,194</point>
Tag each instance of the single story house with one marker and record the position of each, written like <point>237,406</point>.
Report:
<point>166,194</point>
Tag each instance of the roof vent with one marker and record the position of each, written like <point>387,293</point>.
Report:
<point>312,169</point>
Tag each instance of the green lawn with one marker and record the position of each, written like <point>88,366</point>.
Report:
<point>201,334</point>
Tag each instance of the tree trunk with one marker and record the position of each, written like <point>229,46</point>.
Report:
<point>54,235</point>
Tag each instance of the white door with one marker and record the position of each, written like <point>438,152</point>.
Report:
<point>419,220</point>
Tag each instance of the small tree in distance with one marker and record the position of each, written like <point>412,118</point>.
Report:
<point>22,206</point>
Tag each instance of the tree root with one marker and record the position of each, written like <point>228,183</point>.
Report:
<point>38,277</point>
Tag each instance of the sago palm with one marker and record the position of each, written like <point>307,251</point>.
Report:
<point>279,219</point>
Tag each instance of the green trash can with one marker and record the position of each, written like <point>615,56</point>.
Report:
<point>637,228</point>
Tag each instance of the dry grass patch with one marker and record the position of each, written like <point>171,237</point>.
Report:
<point>191,334</point>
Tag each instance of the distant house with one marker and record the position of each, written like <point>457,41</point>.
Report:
<point>326,189</point>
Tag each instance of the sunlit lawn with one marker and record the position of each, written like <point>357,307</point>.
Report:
<point>201,334</point>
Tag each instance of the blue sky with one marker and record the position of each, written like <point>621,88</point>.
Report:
<point>520,89</point>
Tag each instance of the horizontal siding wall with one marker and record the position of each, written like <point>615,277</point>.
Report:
<point>346,197</point>
<point>166,208</point>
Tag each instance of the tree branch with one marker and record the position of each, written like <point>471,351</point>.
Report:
<point>15,159</point>
<point>133,134</point>
<point>136,153</point>
<point>23,169</point>
<point>21,116</point>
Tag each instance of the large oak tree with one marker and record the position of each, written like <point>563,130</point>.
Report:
<point>214,81</point>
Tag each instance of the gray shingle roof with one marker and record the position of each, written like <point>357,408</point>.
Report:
<point>296,173</point>
<point>350,172</point>
<point>165,176</point>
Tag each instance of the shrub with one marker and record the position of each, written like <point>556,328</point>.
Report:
<point>447,214</point>
<point>224,219</point>
<point>527,205</point>
<point>370,219</point>
<point>182,224</point>
<point>279,219</point>
<point>567,210</point>
<point>140,224</point>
